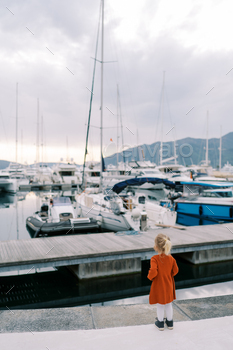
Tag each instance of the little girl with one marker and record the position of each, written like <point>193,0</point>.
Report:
<point>163,268</point>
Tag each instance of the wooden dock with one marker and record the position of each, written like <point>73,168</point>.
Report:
<point>93,248</point>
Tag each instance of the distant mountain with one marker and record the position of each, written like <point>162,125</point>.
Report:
<point>189,151</point>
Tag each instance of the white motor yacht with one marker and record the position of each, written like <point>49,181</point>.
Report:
<point>43,175</point>
<point>7,184</point>
<point>66,173</point>
<point>17,172</point>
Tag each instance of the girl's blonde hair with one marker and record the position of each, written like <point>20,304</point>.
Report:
<point>163,244</point>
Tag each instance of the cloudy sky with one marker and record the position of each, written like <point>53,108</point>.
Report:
<point>47,45</point>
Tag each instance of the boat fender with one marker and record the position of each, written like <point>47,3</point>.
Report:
<point>135,214</point>
<point>143,221</point>
<point>200,210</point>
<point>79,211</point>
<point>99,219</point>
<point>231,212</point>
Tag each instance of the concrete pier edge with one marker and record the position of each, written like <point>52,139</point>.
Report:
<point>100,317</point>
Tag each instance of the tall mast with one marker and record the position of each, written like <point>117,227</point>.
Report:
<point>220,149</point>
<point>91,99</point>
<point>16,139</point>
<point>42,141</point>
<point>38,134</point>
<point>117,128</point>
<point>207,141</point>
<point>67,149</point>
<point>22,146</point>
<point>175,151</point>
<point>122,135</point>
<point>161,144</point>
<point>101,105</point>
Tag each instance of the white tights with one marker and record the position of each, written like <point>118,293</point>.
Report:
<point>169,311</point>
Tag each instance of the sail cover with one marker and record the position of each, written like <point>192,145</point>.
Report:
<point>120,186</point>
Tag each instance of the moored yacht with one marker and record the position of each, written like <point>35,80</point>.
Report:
<point>7,184</point>
<point>206,200</point>
<point>58,216</point>
<point>66,173</point>
<point>122,212</point>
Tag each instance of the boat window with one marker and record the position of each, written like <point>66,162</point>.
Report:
<point>141,200</point>
<point>96,173</point>
<point>152,198</point>
<point>4,177</point>
<point>219,194</point>
<point>66,173</point>
<point>225,194</point>
<point>210,194</point>
<point>60,201</point>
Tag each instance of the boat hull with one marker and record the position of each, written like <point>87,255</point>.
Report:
<point>110,221</point>
<point>223,212</point>
<point>38,228</point>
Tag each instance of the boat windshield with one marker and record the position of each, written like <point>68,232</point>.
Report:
<point>203,191</point>
<point>61,201</point>
<point>219,194</point>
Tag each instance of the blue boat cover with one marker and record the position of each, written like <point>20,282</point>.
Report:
<point>120,186</point>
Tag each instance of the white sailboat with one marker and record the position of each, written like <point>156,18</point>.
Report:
<point>112,212</point>
<point>116,212</point>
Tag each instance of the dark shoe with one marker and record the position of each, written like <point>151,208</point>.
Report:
<point>169,324</point>
<point>159,324</point>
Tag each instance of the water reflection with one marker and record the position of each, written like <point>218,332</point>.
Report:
<point>6,200</point>
<point>61,288</point>
<point>14,209</point>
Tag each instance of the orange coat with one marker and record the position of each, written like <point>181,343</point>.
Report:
<point>163,268</point>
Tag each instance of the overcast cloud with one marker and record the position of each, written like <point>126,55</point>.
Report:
<point>46,46</point>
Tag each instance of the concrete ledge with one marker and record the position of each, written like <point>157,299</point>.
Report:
<point>106,268</point>
<point>208,256</point>
<point>97,317</point>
